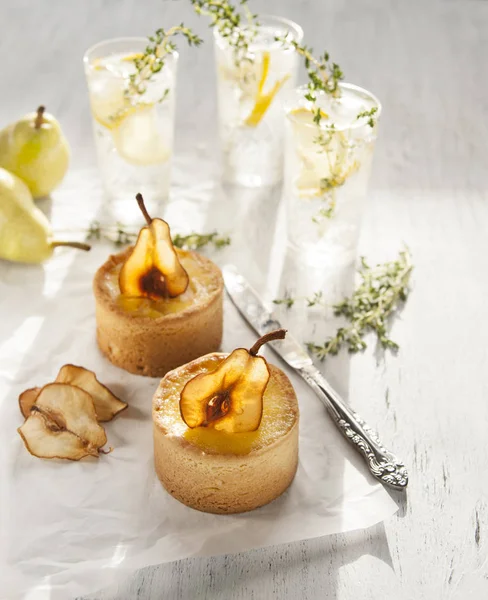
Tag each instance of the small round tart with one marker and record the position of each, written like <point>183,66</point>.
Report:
<point>218,472</point>
<point>151,337</point>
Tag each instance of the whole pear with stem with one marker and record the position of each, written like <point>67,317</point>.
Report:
<point>35,149</point>
<point>25,232</point>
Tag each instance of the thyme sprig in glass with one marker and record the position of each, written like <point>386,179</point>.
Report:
<point>120,236</point>
<point>323,75</point>
<point>154,56</point>
<point>370,114</point>
<point>238,28</point>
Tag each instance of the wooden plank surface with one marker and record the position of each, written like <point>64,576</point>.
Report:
<point>426,61</point>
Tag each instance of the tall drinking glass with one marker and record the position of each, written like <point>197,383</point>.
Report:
<point>327,168</point>
<point>250,91</point>
<point>133,131</point>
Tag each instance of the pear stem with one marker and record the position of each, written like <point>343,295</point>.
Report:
<point>79,245</point>
<point>140,202</point>
<point>40,117</point>
<point>277,334</point>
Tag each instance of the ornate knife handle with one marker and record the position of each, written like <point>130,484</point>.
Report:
<point>382,463</point>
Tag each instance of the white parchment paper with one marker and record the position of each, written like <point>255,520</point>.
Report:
<point>68,528</point>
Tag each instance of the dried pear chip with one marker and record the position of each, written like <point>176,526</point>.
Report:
<point>27,400</point>
<point>64,408</point>
<point>73,409</point>
<point>44,439</point>
<point>106,404</point>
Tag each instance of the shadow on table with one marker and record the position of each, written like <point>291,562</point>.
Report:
<point>275,572</point>
<point>401,500</point>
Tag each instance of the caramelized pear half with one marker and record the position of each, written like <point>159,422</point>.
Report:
<point>153,269</point>
<point>230,398</point>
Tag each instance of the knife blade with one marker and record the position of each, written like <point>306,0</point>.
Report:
<point>382,463</point>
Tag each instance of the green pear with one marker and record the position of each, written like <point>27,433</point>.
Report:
<point>25,232</point>
<point>35,150</point>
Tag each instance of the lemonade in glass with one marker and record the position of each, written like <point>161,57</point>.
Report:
<point>327,168</point>
<point>133,128</point>
<point>251,82</point>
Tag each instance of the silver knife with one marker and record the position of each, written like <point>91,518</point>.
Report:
<point>382,463</point>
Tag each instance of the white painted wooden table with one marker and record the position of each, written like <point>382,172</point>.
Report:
<point>427,62</point>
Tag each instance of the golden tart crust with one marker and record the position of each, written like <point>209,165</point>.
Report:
<point>151,338</point>
<point>217,472</point>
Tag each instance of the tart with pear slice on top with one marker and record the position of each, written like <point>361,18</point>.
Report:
<point>157,307</point>
<point>226,431</point>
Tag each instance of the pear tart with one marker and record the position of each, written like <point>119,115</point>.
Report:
<point>226,432</point>
<point>157,307</point>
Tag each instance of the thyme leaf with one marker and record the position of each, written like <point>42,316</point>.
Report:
<point>195,241</point>
<point>317,298</point>
<point>120,236</point>
<point>370,114</point>
<point>286,301</point>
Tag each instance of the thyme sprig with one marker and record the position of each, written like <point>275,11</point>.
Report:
<point>154,56</point>
<point>317,298</point>
<point>288,301</point>
<point>323,74</point>
<point>239,28</point>
<point>117,234</point>
<point>120,236</point>
<point>195,241</point>
<point>378,295</point>
<point>370,114</point>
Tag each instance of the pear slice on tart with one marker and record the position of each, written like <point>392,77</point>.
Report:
<point>230,398</point>
<point>153,269</point>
